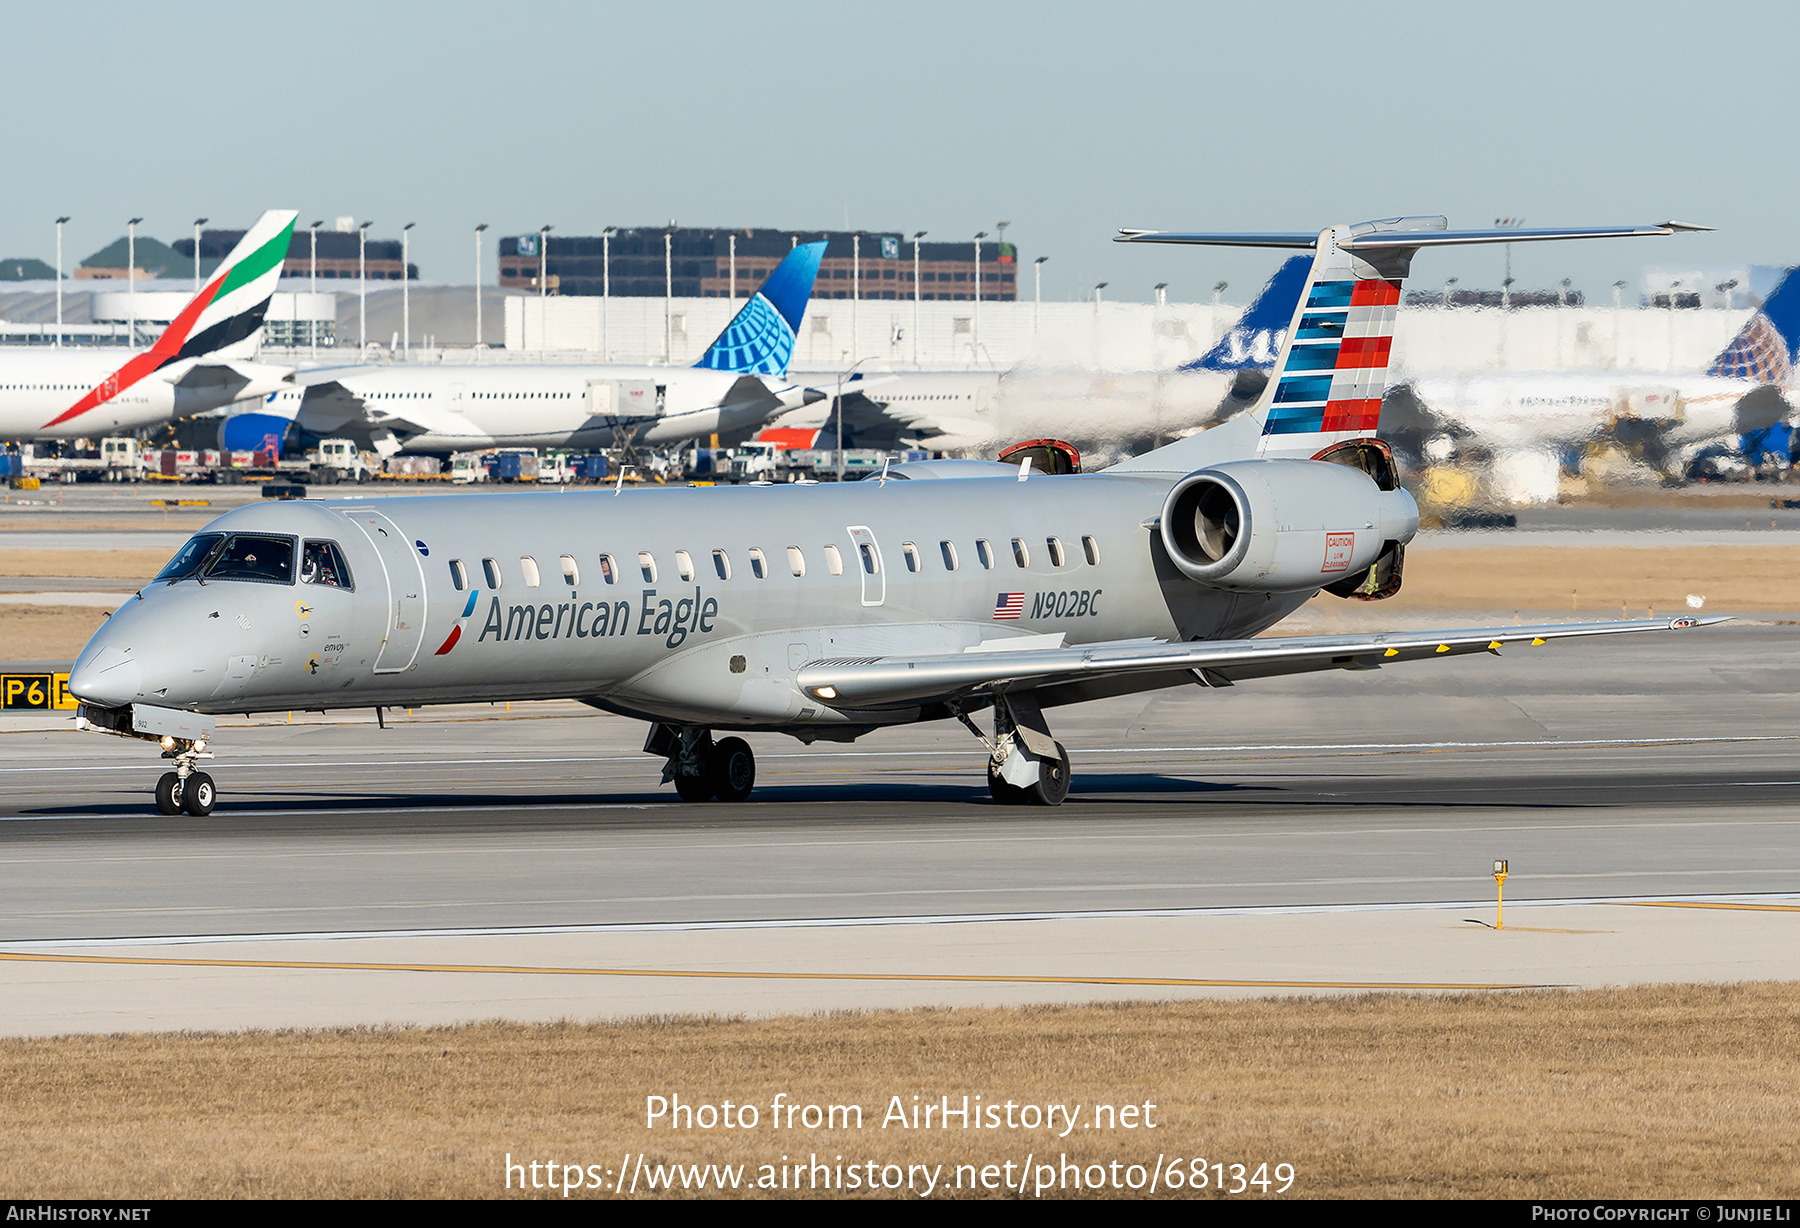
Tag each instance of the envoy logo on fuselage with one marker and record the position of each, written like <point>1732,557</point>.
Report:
<point>673,619</point>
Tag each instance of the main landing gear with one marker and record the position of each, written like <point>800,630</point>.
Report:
<point>1026,767</point>
<point>702,769</point>
<point>185,789</point>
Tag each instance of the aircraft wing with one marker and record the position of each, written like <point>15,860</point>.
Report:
<point>903,681</point>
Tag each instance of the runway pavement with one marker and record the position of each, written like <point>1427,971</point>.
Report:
<point>1260,836</point>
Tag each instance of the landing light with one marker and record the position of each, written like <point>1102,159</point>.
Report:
<point>825,692</point>
<point>168,743</point>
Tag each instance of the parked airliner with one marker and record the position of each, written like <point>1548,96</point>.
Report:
<point>203,360</point>
<point>738,382</point>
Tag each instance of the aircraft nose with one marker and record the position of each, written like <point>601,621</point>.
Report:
<point>110,678</point>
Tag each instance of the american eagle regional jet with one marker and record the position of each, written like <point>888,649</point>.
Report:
<point>949,590</point>
<point>203,360</point>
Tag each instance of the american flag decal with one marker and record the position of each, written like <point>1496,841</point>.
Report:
<point>1009,605</point>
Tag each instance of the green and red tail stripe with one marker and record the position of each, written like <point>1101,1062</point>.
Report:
<point>258,255</point>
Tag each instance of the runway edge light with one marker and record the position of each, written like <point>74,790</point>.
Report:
<point>1500,893</point>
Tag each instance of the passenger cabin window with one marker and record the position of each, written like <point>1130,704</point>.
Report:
<point>912,555</point>
<point>1092,548</point>
<point>985,553</point>
<point>1054,545</point>
<point>491,569</point>
<point>647,565</point>
<point>253,556</point>
<point>529,566</point>
<point>1020,557</point>
<point>722,564</point>
<point>759,566</point>
<point>870,560</point>
<point>571,573</point>
<point>684,565</point>
<point>834,562</point>
<point>323,563</point>
<point>459,575</point>
<point>948,550</point>
<point>187,560</point>
<point>796,561</point>
<point>609,570</point>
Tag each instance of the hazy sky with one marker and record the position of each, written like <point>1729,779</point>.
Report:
<point>1067,120</point>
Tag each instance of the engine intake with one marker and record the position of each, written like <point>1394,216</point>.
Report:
<point>1282,525</point>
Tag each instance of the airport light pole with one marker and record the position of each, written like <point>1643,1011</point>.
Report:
<point>668,295</point>
<point>198,223</point>
<point>917,235</point>
<point>1219,288</point>
<point>544,260</point>
<point>1099,286</point>
<point>59,279</point>
<point>312,327</point>
<point>131,281</point>
<point>733,290</point>
<point>855,298</point>
<point>975,312</point>
<point>478,229</point>
<point>1037,294</point>
<point>1448,282</point>
<point>362,288</point>
<point>1618,289</point>
<point>606,291</point>
<point>1162,294</point>
<point>405,293</point>
<point>837,408</point>
<point>1509,223</point>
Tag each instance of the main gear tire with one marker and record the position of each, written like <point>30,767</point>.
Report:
<point>733,770</point>
<point>1052,784</point>
<point>1000,791</point>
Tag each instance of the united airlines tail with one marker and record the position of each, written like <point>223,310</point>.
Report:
<point>1766,348</point>
<point>760,338</point>
<point>1329,376</point>
<point>223,322</point>
<point>1255,340</point>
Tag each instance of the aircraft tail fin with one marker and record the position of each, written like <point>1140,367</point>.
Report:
<point>1255,340</point>
<point>760,338</point>
<point>1766,348</point>
<point>223,321</point>
<point>1331,370</point>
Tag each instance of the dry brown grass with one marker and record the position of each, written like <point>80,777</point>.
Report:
<point>46,632</point>
<point>137,565</point>
<point>1686,1091</point>
<point>1745,579</point>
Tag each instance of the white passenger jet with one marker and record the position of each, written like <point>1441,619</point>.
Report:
<point>829,611</point>
<point>1660,414</point>
<point>981,411</point>
<point>203,360</point>
<point>739,382</point>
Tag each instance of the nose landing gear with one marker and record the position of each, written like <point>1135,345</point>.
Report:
<point>185,789</point>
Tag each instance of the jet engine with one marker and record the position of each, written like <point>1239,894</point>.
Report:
<point>1284,525</point>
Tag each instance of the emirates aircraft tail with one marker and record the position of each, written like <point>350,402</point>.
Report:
<point>221,325</point>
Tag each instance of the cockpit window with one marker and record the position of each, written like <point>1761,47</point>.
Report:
<point>187,560</point>
<point>323,563</point>
<point>252,556</point>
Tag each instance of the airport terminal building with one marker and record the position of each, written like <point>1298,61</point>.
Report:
<point>688,262</point>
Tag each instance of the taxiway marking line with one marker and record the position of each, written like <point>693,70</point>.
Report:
<point>1702,904</point>
<point>701,974</point>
